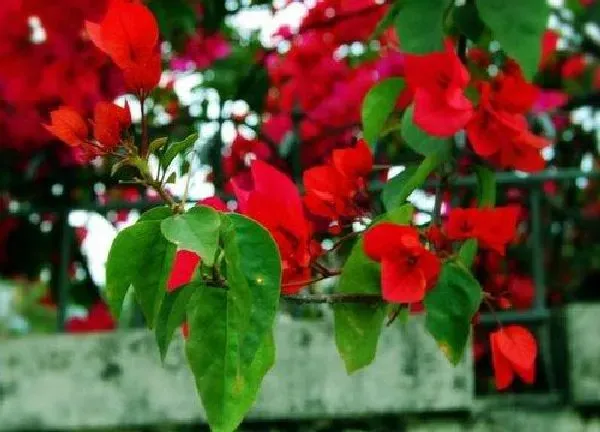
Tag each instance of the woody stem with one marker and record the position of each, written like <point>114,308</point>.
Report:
<point>144,147</point>
<point>341,241</point>
<point>490,306</point>
<point>166,196</point>
<point>336,298</point>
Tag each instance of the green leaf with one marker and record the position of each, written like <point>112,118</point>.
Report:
<point>157,144</point>
<point>197,231</point>
<point>230,346</point>
<point>518,25</point>
<point>227,385</point>
<point>387,20</point>
<point>177,148</point>
<point>419,140</point>
<point>401,215</point>
<point>449,308</point>
<point>253,266</point>
<point>358,326</point>
<point>140,257</point>
<point>172,179</point>
<point>156,214</point>
<point>377,106</point>
<point>468,22</point>
<point>420,25</point>
<point>395,191</point>
<point>172,314</point>
<point>174,17</point>
<point>486,186</point>
<point>468,252</point>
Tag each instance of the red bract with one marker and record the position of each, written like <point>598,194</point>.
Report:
<point>241,153</point>
<point>183,269</point>
<point>439,80</point>
<point>512,92</point>
<point>549,42</point>
<point>407,268</point>
<point>462,223</point>
<point>514,351</point>
<point>99,319</point>
<point>494,228</point>
<point>501,135</point>
<point>573,67</point>
<point>354,163</point>
<point>272,199</point>
<point>201,51</point>
<point>110,121</point>
<point>344,21</point>
<point>128,33</point>
<point>333,191</point>
<point>521,290</point>
<point>68,126</point>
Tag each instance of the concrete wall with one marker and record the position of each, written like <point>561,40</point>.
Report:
<point>112,380</point>
<point>116,380</point>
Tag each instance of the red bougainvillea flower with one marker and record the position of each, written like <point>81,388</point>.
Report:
<point>501,135</point>
<point>214,202</point>
<point>438,81</point>
<point>110,121</point>
<point>272,199</point>
<point>354,163</point>
<point>128,33</point>
<point>242,151</point>
<point>68,126</point>
<point>462,223</point>
<point>494,228</point>
<point>573,67</point>
<point>511,91</point>
<point>98,320</point>
<point>514,351</point>
<point>335,191</point>
<point>183,270</point>
<point>407,268</point>
<point>549,43</point>
<point>521,290</point>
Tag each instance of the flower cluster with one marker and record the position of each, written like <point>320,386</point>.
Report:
<point>46,60</point>
<point>337,192</point>
<point>109,124</point>
<point>497,128</point>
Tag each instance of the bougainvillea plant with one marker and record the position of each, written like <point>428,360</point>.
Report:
<point>220,275</point>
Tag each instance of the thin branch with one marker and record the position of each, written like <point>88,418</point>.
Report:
<point>336,298</point>
<point>145,144</point>
<point>341,241</point>
<point>162,192</point>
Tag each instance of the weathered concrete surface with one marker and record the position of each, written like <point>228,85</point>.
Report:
<point>109,380</point>
<point>515,419</point>
<point>582,325</point>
